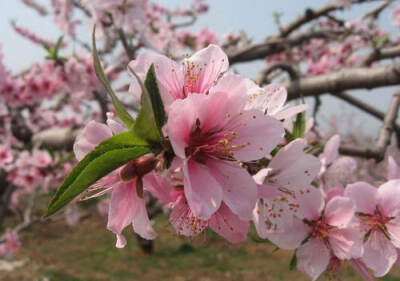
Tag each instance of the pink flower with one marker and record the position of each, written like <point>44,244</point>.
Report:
<point>378,212</point>
<point>9,242</point>
<point>271,100</point>
<point>321,232</point>
<point>336,171</point>
<point>196,74</point>
<point>287,175</point>
<point>6,156</point>
<point>41,158</point>
<point>223,221</point>
<point>393,170</point>
<point>210,133</point>
<point>127,205</point>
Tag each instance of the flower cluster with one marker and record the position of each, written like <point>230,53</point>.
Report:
<point>218,124</point>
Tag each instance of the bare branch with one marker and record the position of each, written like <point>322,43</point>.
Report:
<point>388,124</point>
<point>374,13</point>
<point>286,67</point>
<point>356,78</point>
<point>360,152</point>
<point>276,45</point>
<point>56,138</point>
<point>365,107</point>
<point>381,54</point>
<point>383,141</point>
<point>309,15</point>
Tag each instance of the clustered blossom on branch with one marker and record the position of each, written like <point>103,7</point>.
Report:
<point>218,123</point>
<point>233,153</point>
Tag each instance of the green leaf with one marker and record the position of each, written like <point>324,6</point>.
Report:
<point>293,262</point>
<point>122,113</point>
<point>155,97</point>
<point>151,116</point>
<point>299,126</point>
<point>106,157</point>
<point>57,46</point>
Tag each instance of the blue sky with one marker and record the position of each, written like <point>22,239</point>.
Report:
<point>253,16</point>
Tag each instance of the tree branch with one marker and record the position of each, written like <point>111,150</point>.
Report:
<point>276,45</point>
<point>56,138</point>
<point>366,108</point>
<point>383,141</point>
<point>356,78</point>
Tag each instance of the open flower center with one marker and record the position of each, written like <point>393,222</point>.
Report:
<point>375,221</point>
<point>319,228</point>
<point>219,142</point>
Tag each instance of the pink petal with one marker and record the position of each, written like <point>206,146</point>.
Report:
<point>331,150</point>
<point>184,221</point>
<point>393,170</point>
<point>126,208</point>
<point>266,191</point>
<point>313,258</point>
<point>287,155</point>
<point>115,126</point>
<point>257,133</point>
<point>159,186</point>
<point>311,203</point>
<point>121,241</point>
<point>204,199</point>
<point>293,168</point>
<point>227,98</point>
<point>389,198</point>
<point>95,132</point>
<point>277,99</point>
<point>257,97</point>
<point>121,207</point>
<point>82,147</point>
<point>339,212</point>
<point>362,269</point>
<point>181,121</point>
<point>209,63</point>
<point>239,188</point>
<point>364,196</point>
<point>228,225</point>
<point>141,222</point>
<point>289,238</point>
<point>393,227</point>
<point>290,112</point>
<point>346,243</point>
<point>379,254</point>
<point>89,138</point>
<point>259,178</point>
<point>260,219</point>
<point>340,172</point>
<point>334,192</point>
<point>169,75</point>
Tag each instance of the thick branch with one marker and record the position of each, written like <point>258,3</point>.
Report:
<point>56,138</point>
<point>357,78</point>
<point>276,45</point>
